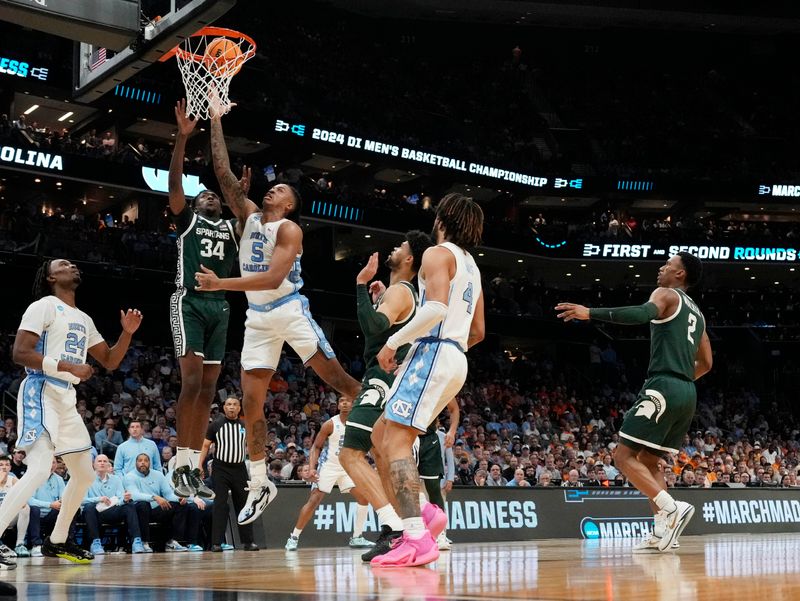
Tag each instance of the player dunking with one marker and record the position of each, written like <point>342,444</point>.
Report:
<point>448,322</point>
<point>395,307</point>
<point>199,321</point>
<point>269,259</point>
<point>326,471</point>
<point>680,353</point>
<point>52,343</point>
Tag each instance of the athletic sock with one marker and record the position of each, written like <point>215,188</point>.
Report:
<point>258,469</point>
<point>296,533</point>
<point>361,518</point>
<point>664,501</point>
<point>182,457</point>
<point>194,458</point>
<point>423,500</point>
<point>414,527</point>
<point>388,517</point>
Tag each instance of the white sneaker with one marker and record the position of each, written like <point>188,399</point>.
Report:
<point>7,552</point>
<point>291,543</point>
<point>443,542</point>
<point>260,494</point>
<point>359,542</point>
<point>675,521</point>
<point>647,545</point>
<point>173,546</point>
<point>36,551</point>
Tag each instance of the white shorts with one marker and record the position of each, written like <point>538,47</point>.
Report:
<point>47,406</point>
<point>431,374</point>
<point>291,322</point>
<point>331,474</point>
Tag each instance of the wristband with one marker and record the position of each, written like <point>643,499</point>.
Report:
<point>49,366</point>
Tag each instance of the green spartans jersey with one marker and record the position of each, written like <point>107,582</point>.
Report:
<point>204,242</point>
<point>374,344</point>
<point>674,340</point>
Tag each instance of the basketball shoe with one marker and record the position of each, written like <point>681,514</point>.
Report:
<point>409,552</point>
<point>66,550</point>
<point>260,494</point>
<point>435,519</point>
<point>674,519</point>
<point>384,543</point>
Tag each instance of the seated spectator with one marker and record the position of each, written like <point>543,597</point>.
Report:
<point>544,480</point>
<point>22,519</point>
<point>519,479</point>
<point>18,465</point>
<point>125,458</point>
<point>45,505</point>
<point>572,480</point>
<point>107,502</point>
<point>155,501</point>
<point>688,478</point>
<point>108,438</point>
<point>275,468</point>
<point>480,478</point>
<point>496,477</point>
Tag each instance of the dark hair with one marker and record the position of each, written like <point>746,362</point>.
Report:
<point>135,421</point>
<point>294,214</point>
<point>5,458</point>
<point>462,220</point>
<point>693,267</point>
<point>41,287</point>
<point>199,194</point>
<point>418,242</point>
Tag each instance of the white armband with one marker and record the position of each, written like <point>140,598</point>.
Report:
<point>428,315</point>
<point>49,366</point>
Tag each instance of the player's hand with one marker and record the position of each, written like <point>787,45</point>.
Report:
<point>201,505</point>
<point>186,124</point>
<point>246,180</point>
<point>448,486</point>
<point>387,360</point>
<point>313,476</point>
<point>570,311</point>
<point>207,280</point>
<point>216,108</point>
<point>449,440</point>
<point>81,371</point>
<point>131,320</point>
<point>376,290</point>
<point>369,270</point>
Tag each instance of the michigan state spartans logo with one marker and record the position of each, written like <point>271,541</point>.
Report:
<point>652,406</point>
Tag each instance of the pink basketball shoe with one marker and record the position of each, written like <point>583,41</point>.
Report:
<point>409,552</point>
<point>435,519</point>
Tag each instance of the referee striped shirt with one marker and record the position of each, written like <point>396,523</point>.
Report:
<point>229,438</point>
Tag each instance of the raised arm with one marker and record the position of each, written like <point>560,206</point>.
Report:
<point>704,359</point>
<point>288,245</point>
<point>111,357</point>
<point>186,125</point>
<point>235,195</point>
<point>662,303</point>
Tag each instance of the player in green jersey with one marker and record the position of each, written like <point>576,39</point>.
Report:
<point>199,320</point>
<point>391,310</point>
<point>680,353</point>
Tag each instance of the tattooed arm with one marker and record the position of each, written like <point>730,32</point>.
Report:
<point>235,195</point>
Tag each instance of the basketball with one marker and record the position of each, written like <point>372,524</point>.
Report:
<point>223,57</point>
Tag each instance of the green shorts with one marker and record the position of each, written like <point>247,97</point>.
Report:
<point>429,460</point>
<point>199,325</point>
<point>662,414</point>
<point>367,408</point>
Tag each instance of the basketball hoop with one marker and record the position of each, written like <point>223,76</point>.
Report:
<point>208,60</point>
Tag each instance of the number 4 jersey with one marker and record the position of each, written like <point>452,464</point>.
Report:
<point>65,333</point>
<point>202,241</point>
<point>674,340</point>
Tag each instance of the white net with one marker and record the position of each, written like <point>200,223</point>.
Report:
<point>208,61</point>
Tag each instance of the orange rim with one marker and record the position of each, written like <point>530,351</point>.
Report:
<point>215,31</point>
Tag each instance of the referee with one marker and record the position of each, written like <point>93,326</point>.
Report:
<point>229,473</point>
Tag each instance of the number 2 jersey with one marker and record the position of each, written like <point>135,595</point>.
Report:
<point>202,241</point>
<point>65,334</point>
<point>674,340</point>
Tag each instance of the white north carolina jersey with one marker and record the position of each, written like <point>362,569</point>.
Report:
<point>255,254</point>
<point>65,333</point>
<point>330,452</point>
<point>465,289</point>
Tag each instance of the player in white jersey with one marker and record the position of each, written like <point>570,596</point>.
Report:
<point>448,322</point>
<point>52,344</point>
<point>269,260</point>
<point>326,472</point>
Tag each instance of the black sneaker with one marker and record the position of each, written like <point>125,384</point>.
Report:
<point>66,550</point>
<point>182,482</point>
<point>383,544</point>
<point>199,486</point>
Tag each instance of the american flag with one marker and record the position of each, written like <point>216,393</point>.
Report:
<point>97,58</point>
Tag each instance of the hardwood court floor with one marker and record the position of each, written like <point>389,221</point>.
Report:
<point>724,568</point>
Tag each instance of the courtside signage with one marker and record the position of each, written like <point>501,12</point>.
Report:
<point>765,254</point>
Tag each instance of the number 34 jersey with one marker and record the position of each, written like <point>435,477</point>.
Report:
<point>255,256</point>
<point>202,241</point>
<point>65,333</point>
